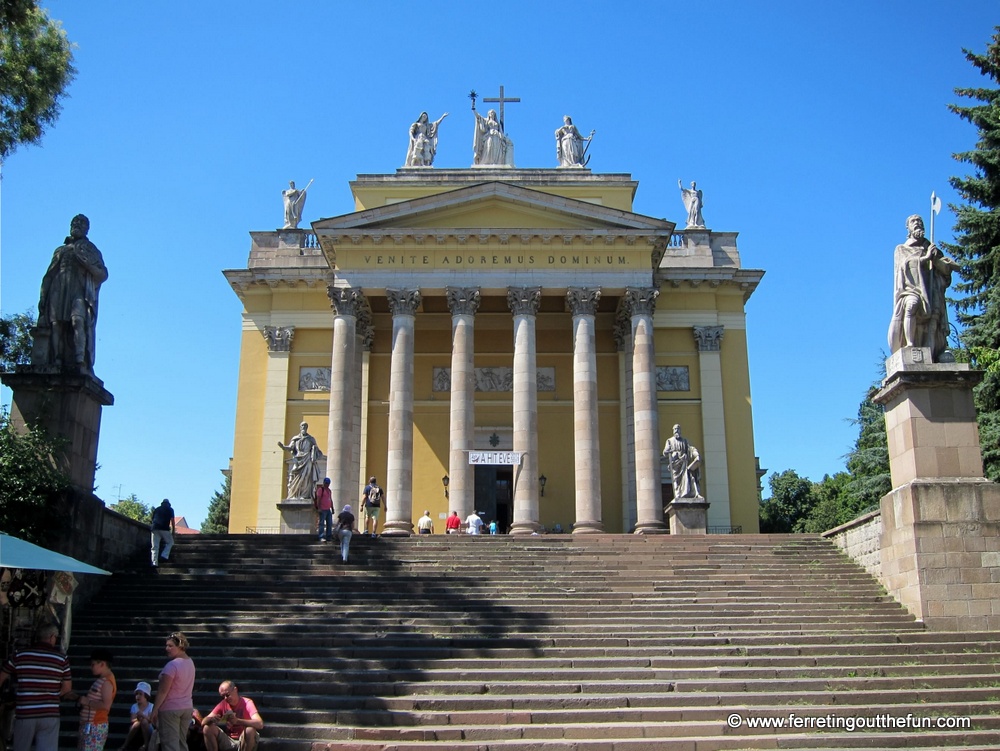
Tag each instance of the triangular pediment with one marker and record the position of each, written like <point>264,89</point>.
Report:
<point>493,205</point>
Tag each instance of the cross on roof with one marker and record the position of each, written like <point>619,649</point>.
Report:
<point>501,99</point>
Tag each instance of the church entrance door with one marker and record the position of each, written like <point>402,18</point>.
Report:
<point>495,494</point>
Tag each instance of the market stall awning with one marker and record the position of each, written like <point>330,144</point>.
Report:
<point>16,553</point>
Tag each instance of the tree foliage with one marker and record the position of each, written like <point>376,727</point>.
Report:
<point>32,489</point>
<point>15,340</point>
<point>133,508</point>
<point>791,501</point>
<point>36,66</point>
<point>868,461</point>
<point>217,520</point>
<point>977,242</point>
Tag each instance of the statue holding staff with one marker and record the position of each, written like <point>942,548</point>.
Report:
<point>570,149</point>
<point>294,200</point>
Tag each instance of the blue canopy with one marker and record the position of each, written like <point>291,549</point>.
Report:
<point>16,553</point>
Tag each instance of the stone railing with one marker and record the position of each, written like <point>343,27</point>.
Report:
<point>861,539</point>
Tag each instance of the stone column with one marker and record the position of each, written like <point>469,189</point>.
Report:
<point>273,468</point>
<point>346,302</point>
<point>582,303</point>
<point>649,495</point>
<point>363,346</point>
<point>524,302</point>
<point>715,461</point>
<point>463,303</point>
<point>399,465</point>
<point>623,343</point>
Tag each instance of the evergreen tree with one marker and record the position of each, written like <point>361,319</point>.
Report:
<point>37,66</point>
<point>977,246</point>
<point>868,462</point>
<point>133,508</point>
<point>217,521</point>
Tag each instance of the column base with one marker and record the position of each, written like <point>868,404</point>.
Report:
<point>650,528</point>
<point>397,529</point>
<point>524,528</point>
<point>588,528</point>
<point>688,517</point>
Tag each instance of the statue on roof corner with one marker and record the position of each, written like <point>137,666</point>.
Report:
<point>67,306</point>
<point>921,274</point>
<point>295,201</point>
<point>490,146</point>
<point>692,198</point>
<point>423,141</point>
<point>570,149</point>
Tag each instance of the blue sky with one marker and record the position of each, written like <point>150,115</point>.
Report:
<point>814,130</point>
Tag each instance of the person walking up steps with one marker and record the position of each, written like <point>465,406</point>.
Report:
<point>373,502</point>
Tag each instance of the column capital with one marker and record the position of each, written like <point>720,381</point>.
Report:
<point>463,300</point>
<point>279,338</point>
<point>640,300</point>
<point>345,300</point>
<point>708,338</point>
<point>524,301</point>
<point>582,301</point>
<point>403,302</point>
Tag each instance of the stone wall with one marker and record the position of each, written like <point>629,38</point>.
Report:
<point>861,539</point>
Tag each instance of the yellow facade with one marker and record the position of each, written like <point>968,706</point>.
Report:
<point>428,229</point>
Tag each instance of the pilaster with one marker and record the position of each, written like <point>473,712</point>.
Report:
<point>273,472</point>
<point>715,479</point>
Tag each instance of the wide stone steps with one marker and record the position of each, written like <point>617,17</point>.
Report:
<point>586,643</point>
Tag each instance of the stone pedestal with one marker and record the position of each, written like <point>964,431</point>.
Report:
<point>940,548</point>
<point>298,516</point>
<point>688,517</point>
<point>67,406</point>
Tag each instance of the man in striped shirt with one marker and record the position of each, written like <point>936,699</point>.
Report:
<point>43,676</point>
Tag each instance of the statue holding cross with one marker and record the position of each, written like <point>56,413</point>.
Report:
<point>490,145</point>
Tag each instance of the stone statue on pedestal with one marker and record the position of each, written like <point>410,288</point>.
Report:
<point>295,201</point>
<point>490,147</point>
<point>685,467</point>
<point>693,202</point>
<point>67,307</point>
<point>921,274</point>
<point>570,149</point>
<point>304,470</point>
<point>423,141</point>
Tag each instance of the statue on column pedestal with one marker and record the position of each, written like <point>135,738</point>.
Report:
<point>304,467</point>
<point>685,467</point>
<point>67,307</point>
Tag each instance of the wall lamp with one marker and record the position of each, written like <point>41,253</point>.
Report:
<point>445,481</point>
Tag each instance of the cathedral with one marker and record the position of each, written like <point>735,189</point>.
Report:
<point>510,341</point>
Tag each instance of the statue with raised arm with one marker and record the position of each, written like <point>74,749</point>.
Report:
<point>67,306</point>
<point>692,198</point>
<point>490,147</point>
<point>570,149</point>
<point>295,201</point>
<point>685,466</point>
<point>423,141</point>
<point>304,470</point>
<point>921,274</point>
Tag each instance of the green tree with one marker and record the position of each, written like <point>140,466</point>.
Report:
<point>977,241</point>
<point>133,508</point>
<point>832,506</point>
<point>32,491</point>
<point>217,521</point>
<point>15,340</point>
<point>792,499</point>
<point>868,461</point>
<point>36,66</point>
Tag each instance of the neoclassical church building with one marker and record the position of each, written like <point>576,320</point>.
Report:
<point>513,341</point>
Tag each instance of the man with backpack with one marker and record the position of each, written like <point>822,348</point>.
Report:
<point>372,502</point>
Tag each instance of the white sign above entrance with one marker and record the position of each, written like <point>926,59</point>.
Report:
<point>495,457</point>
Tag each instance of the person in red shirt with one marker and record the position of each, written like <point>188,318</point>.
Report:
<point>239,715</point>
<point>323,503</point>
<point>453,525</point>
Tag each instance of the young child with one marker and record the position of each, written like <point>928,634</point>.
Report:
<point>141,728</point>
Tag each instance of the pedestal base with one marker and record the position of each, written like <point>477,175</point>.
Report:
<point>298,517</point>
<point>941,552</point>
<point>65,405</point>
<point>588,528</point>
<point>688,517</point>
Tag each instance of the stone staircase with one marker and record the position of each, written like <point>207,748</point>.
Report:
<point>591,643</point>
